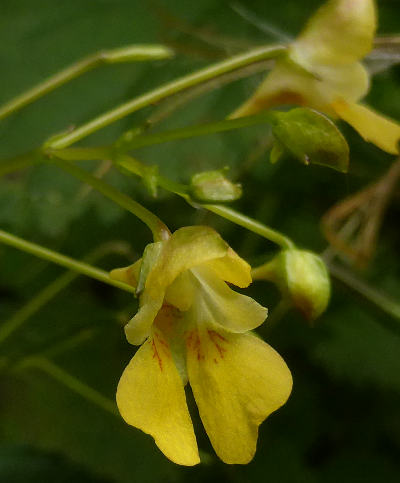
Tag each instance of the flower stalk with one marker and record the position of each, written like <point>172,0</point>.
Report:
<point>59,259</point>
<point>124,54</point>
<point>169,89</point>
<point>158,228</point>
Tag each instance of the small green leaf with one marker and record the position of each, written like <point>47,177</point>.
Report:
<point>214,186</point>
<point>311,137</point>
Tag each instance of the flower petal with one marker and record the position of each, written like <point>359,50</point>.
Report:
<point>186,248</point>
<point>284,84</point>
<point>129,275</point>
<point>180,293</point>
<point>373,127</point>
<point>237,381</point>
<point>351,82</point>
<point>139,327</point>
<point>340,32</point>
<point>218,304</point>
<point>290,84</point>
<point>231,268</point>
<point>151,397</point>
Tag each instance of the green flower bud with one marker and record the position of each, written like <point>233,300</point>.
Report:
<point>213,186</point>
<point>302,277</point>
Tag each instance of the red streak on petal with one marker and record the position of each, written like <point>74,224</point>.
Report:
<point>215,337</point>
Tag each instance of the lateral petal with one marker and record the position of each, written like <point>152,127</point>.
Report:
<point>129,275</point>
<point>186,248</point>
<point>237,381</point>
<point>373,127</point>
<point>218,304</point>
<point>151,397</point>
<point>231,268</point>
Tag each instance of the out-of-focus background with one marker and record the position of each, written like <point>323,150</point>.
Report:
<point>342,421</point>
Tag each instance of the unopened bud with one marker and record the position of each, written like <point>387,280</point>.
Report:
<point>213,186</point>
<point>302,277</point>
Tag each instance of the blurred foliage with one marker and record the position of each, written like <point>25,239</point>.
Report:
<point>341,422</point>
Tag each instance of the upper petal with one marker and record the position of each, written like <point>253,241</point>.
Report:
<point>373,127</point>
<point>237,381</point>
<point>340,32</point>
<point>231,268</point>
<point>187,247</point>
<point>129,275</point>
<point>151,397</point>
<point>218,304</point>
<point>351,82</point>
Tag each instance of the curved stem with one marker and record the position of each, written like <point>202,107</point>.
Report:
<point>195,131</point>
<point>252,225</point>
<point>380,300</point>
<point>165,91</point>
<point>64,261</point>
<point>124,54</point>
<point>221,210</point>
<point>157,227</point>
<point>19,162</point>
<point>70,381</point>
<point>51,290</point>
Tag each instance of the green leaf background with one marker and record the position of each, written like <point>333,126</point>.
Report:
<point>342,421</point>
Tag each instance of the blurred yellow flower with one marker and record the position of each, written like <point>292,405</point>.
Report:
<point>322,70</point>
<point>195,329</point>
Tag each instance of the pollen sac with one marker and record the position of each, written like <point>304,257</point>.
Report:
<point>302,277</point>
<point>213,186</point>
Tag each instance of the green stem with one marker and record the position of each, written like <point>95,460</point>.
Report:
<point>70,382</point>
<point>67,262</point>
<point>157,227</point>
<point>49,292</point>
<point>68,344</point>
<point>19,162</point>
<point>35,304</point>
<point>124,54</point>
<point>195,131</point>
<point>255,226</point>
<point>252,225</point>
<point>139,141</point>
<point>380,300</point>
<point>224,211</point>
<point>165,91</point>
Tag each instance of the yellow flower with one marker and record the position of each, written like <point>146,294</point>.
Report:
<point>195,329</point>
<point>323,70</point>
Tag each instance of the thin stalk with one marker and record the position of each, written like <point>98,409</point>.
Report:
<point>68,344</point>
<point>157,227</point>
<point>34,305</point>
<point>70,381</point>
<point>124,54</point>
<point>221,210</point>
<point>196,131</point>
<point>142,140</point>
<point>165,91</point>
<point>380,300</point>
<point>64,261</point>
<point>49,292</point>
<point>252,225</point>
<point>19,162</point>
<point>255,226</point>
